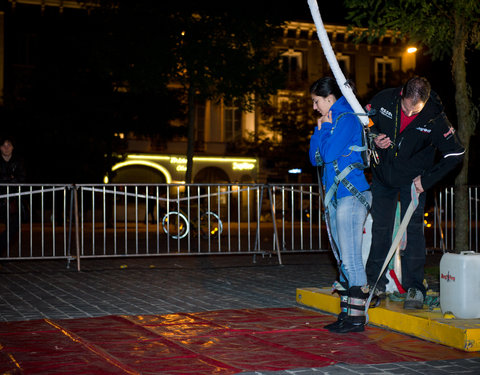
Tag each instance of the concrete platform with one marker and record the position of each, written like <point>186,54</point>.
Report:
<point>463,334</point>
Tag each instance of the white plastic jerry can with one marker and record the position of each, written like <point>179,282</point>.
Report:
<point>460,284</point>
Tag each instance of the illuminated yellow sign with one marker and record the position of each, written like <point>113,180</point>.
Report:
<point>224,160</point>
<point>242,166</point>
<point>180,163</point>
<point>148,157</point>
<point>162,169</point>
<point>175,160</point>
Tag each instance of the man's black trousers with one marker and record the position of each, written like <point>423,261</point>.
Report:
<point>384,206</point>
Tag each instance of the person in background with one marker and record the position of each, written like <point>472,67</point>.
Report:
<point>411,127</point>
<point>12,171</point>
<point>332,146</point>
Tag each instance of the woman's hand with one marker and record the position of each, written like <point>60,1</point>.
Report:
<point>325,118</point>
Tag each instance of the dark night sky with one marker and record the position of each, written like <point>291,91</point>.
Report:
<point>300,11</point>
<point>293,10</point>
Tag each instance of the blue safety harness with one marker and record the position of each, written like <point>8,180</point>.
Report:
<point>341,176</point>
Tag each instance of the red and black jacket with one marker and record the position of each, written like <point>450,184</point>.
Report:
<point>413,150</point>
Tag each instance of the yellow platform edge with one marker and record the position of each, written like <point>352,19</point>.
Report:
<point>463,334</point>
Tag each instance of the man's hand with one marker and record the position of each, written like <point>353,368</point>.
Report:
<point>418,184</point>
<point>382,141</point>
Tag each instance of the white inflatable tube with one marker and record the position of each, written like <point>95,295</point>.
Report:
<point>332,61</point>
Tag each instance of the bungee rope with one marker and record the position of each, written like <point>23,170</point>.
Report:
<point>332,61</point>
<point>349,95</point>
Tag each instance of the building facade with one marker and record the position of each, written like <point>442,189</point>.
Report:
<point>221,127</point>
<point>218,126</point>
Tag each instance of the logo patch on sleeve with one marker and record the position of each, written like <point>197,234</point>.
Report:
<point>424,130</point>
<point>449,133</point>
<point>386,113</point>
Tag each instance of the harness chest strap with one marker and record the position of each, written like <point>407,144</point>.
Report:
<point>341,177</point>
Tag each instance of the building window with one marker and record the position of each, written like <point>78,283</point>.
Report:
<point>200,122</point>
<point>291,63</point>
<point>26,49</point>
<point>232,121</point>
<point>292,33</point>
<point>384,66</point>
<point>344,63</point>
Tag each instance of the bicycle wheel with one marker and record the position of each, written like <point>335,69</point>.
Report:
<point>175,225</point>
<point>210,225</point>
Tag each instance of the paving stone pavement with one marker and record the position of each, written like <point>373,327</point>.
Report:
<point>135,286</point>
<point>162,285</point>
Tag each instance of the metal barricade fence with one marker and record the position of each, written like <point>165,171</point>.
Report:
<point>35,221</point>
<point>298,212</point>
<point>474,208</point>
<point>444,219</point>
<point>166,219</point>
<point>122,220</point>
<point>440,219</point>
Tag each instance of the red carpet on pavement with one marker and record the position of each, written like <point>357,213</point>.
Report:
<point>212,342</point>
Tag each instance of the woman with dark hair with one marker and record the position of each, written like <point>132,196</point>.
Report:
<point>336,147</point>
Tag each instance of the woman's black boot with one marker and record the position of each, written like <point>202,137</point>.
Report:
<point>355,320</point>
<point>342,291</point>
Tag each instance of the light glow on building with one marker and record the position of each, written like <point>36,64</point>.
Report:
<point>145,163</point>
<point>174,167</point>
<point>242,166</point>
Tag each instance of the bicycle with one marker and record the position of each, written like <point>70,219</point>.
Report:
<point>177,225</point>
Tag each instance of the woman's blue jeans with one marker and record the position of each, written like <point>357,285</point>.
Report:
<point>346,226</point>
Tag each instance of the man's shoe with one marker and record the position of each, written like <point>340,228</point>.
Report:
<point>380,294</point>
<point>414,299</point>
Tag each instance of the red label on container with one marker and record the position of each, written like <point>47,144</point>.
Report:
<point>447,277</point>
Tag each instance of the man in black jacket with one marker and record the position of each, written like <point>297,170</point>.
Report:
<point>12,171</point>
<point>411,127</point>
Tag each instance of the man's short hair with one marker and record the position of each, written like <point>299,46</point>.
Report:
<point>417,89</point>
